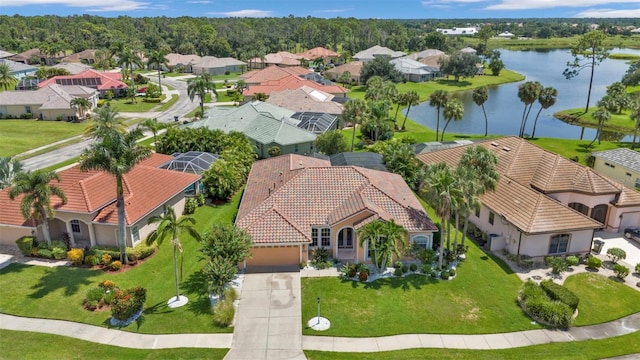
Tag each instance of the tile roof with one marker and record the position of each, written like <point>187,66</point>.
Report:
<point>305,98</point>
<point>72,68</point>
<point>425,53</point>
<point>214,62</point>
<point>377,50</point>
<point>318,52</point>
<point>409,66</point>
<point>93,192</point>
<point>17,67</point>
<point>622,156</point>
<point>279,58</point>
<point>89,54</point>
<point>290,82</point>
<point>174,59</point>
<point>433,61</point>
<point>4,54</point>
<point>289,194</point>
<point>527,173</point>
<point>272,73</point>
<point>53,96</point>
<point>90,78</point>
<point>353,67</point>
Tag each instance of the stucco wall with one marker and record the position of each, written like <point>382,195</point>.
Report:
<point>617,172</point>
<point>9,234</point>
<point>538,245</point>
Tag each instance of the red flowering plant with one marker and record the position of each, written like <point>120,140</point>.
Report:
<point>127,302</point>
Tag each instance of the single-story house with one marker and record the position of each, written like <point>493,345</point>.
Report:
<point>84,57</point>
<point>459,31</point>
<point>306,203</point>
<point>217,66</point>
<point>272,73</point>
<point>415,71</point>
<point>186,61</point>
<point>354,68</point>
<point>19,70</point>
<point>51,102</point>
<point>5,54</point>
<point>375,51</point>
<point>425,53</point>
<point>434,61</point>
<point>506,35</point>
<point>328,56</point>
<point>622,165</point>
<point>544,204</point>
<point>73,67</point>
<point>90,214</point>
<point>281,58</point>
<point>28,57</point>
<point>291,82</point>
<point>101,81</point>
<point>306,99</point>
<point>264,124</point>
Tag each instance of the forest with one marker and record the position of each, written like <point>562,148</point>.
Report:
<point>244,38</point>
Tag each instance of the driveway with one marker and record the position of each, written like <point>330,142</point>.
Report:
<point>268,323</point>
<point>631,247</point>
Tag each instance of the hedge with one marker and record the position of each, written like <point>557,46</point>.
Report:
<point>536,301</point>
<point>560,293</point>
<point>25,244</point>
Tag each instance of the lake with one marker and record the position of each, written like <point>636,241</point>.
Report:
<point>504,108</point>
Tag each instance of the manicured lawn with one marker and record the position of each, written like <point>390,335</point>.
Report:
<point>589,349</point>
<point>30,345</point>
<point>124,105</point>
<point>57,293</point>
<point>602,299</point>
<point>481,299</point>
<point>17,136</point>
<point>618,122</point>
<point>570,148</point>
<point>617,41</point>
<point>168,104</point>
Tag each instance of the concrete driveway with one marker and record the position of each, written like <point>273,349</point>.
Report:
<point>631,247</point>
<point>268,322</point>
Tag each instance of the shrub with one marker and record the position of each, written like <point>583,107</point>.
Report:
<point>190,206</point>
<point>105,259</point>
<point>397,264</point>
<point>560,293</point>
<point>444,275</point>
<point>127,302</point>
<point>397,272</point>
<point>59,244</point>
<point>554,313</point>
<point>320,258</point>
<point>638,268</point>
<point>45,253</point>
<point>76,256</point>
<point>405,269</point>
<point>25,244</point>
<point>303,264</point>
<point>426,269</point>
<point>531,290</point>
<point>616,254</point>
<point>363,267</point>
<point>558,266</point>
<point>594,263</point>
<point>59,253</point>
<point>452,272</point>
<point>223,313</point>
<point>116,265</point>
<point>107,285</point>
<point>572,260</point>
<point>230,294</point>
<point>413,267</point>
<point>94,294</point>
<point>143,250</point>
<point>621,271</point>
<point>363,275</point>
<point>91,260</point>
<point>434,274</point>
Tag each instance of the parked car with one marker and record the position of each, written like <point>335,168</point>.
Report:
<point>632,233</point>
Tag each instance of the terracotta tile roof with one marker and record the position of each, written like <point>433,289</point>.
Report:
<point>289,194</point>
<point>627,197</point>
<point>306,99</point>
<point>354,68</point>
<point>145,188</point>
<point>318,52</point>
<point>93,79</point>
<point>291,82</point>
<point>272,73</point>
<point>528,172</point>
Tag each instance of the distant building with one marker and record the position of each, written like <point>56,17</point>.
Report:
<point>377,51</point>
<point>459,31</point>
<point>506,35</point>
<point>621,164</point>
<point>19,70</point>
<point>217,66</point>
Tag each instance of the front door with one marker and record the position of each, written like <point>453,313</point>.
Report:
<point>345,238</point>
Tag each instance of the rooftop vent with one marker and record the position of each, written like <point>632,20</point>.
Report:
<point>506,148</point>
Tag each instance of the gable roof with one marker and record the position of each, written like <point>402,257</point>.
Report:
<point>73,67</point>
<point>285,196</point>
<point>18,67</point>
<point>280,58</point>
<point>146,187</point>
<point>90,78</point>
<point>174,59</point>
<point>306,98</point>
<point>291,82</point>
<point>621,156</point>
<point>377,50</point>
<point>4,54</point>
<point>318,52</point>
<point>425,53</point>
<point>353,67</point>
<point>410,66</point>
<point>52,96</point>
<point>215,62</point>
<point>272,73</point>
<point>89,54</point>
<point>527,173</point>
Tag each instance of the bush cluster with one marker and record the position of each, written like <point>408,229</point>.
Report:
<point>25,244</point>
<point>594,263</point>
<point>127,302</point>
<point>542,307</point>
<point>620,271</point>
<point>76,256</point>
<point>192,203</point>
<point>560,293</point>
<point>116,265</point>
<point>99,296</point>
<point>320,258</point>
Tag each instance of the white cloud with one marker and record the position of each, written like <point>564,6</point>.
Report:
<point>547,4</point>
<point>609,13</point>
<point>243,13</point>
<point>89,5</point>
<point>334,10</point>
<point>199,2</point>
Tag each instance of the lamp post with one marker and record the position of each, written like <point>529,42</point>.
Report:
<point>318,310</point>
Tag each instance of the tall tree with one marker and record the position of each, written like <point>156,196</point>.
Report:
<point>411,98</point>
<point>480,96</point>
<point>601,115</point>
<point>170,226</point>
<point>116,153</point>
<point>9,168</point>
<point>356,111</point>
<point>7,80</point>
<point>106,121</point>
<point>547,98</point>
<point>372,235</point>
<point>82,105</point>
<point>453,110</point>
<point>345,78</point>
<point>460,65</point>
<point>331,142</point>
<point>157,58</point>
<point>635,116</point>
<point>200,86</point>
<point>438,99</point>
<point>587,53</point>
<point>127,59</point>
<point>154,126</point>
<point>37,190</point>
<point>380,66</point>
<point>528,94</point>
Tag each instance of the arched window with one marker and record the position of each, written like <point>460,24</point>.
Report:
<point>345,238</point>
<point>422,241</point>
<point>599,213</point>
<point>580,207</point>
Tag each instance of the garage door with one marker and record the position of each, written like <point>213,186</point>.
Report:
<point>274,258</point>
<point>629,220</point>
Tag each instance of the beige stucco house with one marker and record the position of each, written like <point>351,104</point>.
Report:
<point>51,102</point>
<point>622,165</point>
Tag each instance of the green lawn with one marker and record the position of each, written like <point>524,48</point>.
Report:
<point>589,349</point>
<point>57,293</point>
<point>168,104</point>
<point>481,299</point>
<point>571,148</point>
<point>30,345</point>
<point>618,122</point>
<point>124,105</point>
<point>17,136</point>
<point>602,299</point>
<point>617,41</point>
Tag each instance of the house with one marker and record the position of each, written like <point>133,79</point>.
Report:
<point>281,58</point>
<point>459,31</point>
<point>306,99</point>
<point>84,57</point>
<point>90,214</point>
<point>468,50</point>
<point>101,81</point>
<point>622,165</point>
<point>354,68</point>
<point>72,68</point>
<point>506,35</point>
<point>264,124</point>
<point>415,71</point>
<point>185,61</point>
<point>291,82</point>
<point>5,54</point>
<point>36,56</point>
<point>294,204</point>
<point>51,102</point>
<point>327,56</point>
<point>19,70</point>
<point>272,73</point>
<point>425,53</point>
<point>434,61</point>
<point>545,204</point>
<point>376,51</point>
<point>217,66</point>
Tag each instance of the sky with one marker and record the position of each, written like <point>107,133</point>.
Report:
<point>384,9</point>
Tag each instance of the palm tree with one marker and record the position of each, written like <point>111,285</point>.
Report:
<point>106,121</point>
<point>127,58</point>
<point>371,234</point>
<point>9,168</point>
<point>7,80</point>
<point>355,111</point>
<point>453,110</point>
<point>392,242</point>
<point>82,104</point>
<point>411,98</point>
<point>438,99</point>
<point>154,126</point>
<point>37,190</point>
<point>200,86</point>
<point>374,88</point>
<point>116,153</point>
<point>528,94</point>
<point>379,114</point>
<point>345,78</point>
<point>169,226</point>
<point>635,116</point>
<point>547,99</point>
<point>157,58</point>
<point>480,96</point>
<point>601,115</point>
